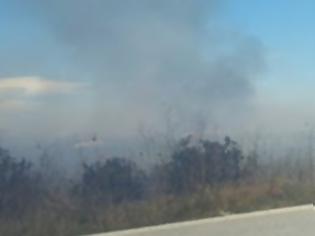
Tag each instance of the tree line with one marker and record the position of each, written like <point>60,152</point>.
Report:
<point>200,178</point>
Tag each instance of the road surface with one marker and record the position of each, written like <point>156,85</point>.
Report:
<point>292,221</point>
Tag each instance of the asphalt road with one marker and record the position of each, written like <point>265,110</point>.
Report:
<point>293,221</point>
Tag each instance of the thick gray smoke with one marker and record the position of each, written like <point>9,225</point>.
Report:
<point>143,57</point>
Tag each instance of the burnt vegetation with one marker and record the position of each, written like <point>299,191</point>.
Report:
<point>202,178</point>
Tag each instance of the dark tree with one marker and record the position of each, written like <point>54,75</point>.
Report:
<point>19,186</point>
<point>197,163</point>
<point>115,181</point>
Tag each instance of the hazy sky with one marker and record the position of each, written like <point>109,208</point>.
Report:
<point>286,30</point>
<point>112,67</point>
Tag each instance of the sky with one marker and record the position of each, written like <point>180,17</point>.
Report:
<point>285,27</point>
<point>116,68</point>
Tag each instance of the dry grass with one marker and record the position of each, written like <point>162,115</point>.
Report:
<point>208,202</point>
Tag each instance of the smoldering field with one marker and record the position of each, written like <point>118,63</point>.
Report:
<point>117,116</point>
